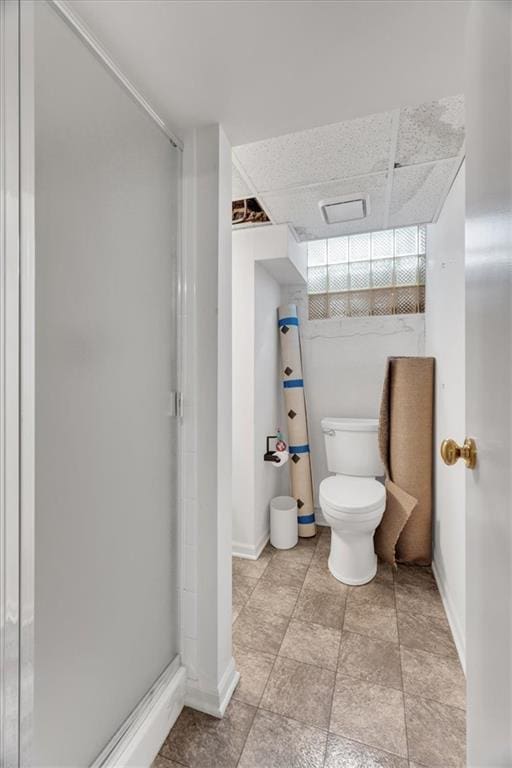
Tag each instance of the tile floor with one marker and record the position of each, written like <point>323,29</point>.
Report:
<point>331,676</point>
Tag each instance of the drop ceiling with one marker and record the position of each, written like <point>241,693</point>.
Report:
<point>402,161</point>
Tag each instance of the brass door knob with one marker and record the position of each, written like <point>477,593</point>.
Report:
<point>451,452</point>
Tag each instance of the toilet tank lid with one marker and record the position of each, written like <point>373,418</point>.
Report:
<point>349,425</point>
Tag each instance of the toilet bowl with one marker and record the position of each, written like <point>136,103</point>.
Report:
<point>353,507</point>
<point>352,500</point>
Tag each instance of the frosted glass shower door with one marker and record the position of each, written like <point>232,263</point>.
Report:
<point>106,223</point>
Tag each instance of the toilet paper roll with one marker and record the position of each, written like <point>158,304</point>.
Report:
<point>283,457</point>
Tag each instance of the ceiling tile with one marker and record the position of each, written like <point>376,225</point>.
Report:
<point>431,131</point>
<point>418,190</point>
<point>342,150</point>
<point>299,207</point>
<point>239,189</point>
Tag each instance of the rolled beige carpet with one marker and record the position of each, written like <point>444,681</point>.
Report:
<point>406,442</point>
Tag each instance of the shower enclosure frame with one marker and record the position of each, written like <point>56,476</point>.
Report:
<point>17,385</point>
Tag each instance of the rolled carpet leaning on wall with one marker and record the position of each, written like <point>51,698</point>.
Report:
<point>295,407</point>
<point>406,444</point>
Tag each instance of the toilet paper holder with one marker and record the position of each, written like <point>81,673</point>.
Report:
<point>270,455</point>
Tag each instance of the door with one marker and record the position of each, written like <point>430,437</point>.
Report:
<point>488,383</point>
<point>105,251</point>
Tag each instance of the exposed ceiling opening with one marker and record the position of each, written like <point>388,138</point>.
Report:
<point>401,163</point>
<point>248,211</point>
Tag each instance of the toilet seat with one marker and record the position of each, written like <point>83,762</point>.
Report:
<point>347,494</point>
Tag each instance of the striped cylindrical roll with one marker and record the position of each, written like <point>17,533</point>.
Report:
<point>295,405</point>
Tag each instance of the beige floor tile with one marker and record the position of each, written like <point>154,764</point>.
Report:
<point>420,575</point>
<point>279,742</point>
<point>343,753</point>
<point>324,544</point>
<point>253,569</point>
<point>370,659</point>
<point>419,598</point>
<point>320,608</point>
<point>254,668</point>
<point>426,633</point>
<point>380,591</point>
<point>436,733</point>
<point>294,555</point>
<point>163,762</point>
<point>235,612</point>
<point>300,691</point>
<point>201,741</point>
<point>385,571</point>
<point>311,643</point>
<point>433,677</point>
<point>321,579</point>
<point>372,620</point>
<point>369,713</point>
<point>243,587</point>
<point>322,550</point>
<point>289,574</point>
<point>274,597</point>
<point>259,630</point>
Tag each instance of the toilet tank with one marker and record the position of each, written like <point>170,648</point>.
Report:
<point>351,446</point>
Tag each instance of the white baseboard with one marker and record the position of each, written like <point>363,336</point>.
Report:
<point>453,620</point>
<point>137,742</point>
<point>250,551</point>
<point>213,702</point>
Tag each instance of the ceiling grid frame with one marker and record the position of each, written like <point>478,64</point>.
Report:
<point>391,165</point>
<point>411,195</point>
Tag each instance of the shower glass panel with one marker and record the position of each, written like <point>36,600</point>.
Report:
<point>106,224</point>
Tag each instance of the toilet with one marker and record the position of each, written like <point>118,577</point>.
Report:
<point>352,500</point>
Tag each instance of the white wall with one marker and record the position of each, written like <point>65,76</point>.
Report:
<point>262,258</point>
<point>344,364</point>
<point>270,481</point>
<point>243,389</point>
<point>445,340</point>
<point>206,449</point>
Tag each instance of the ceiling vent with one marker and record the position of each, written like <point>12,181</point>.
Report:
<point>344,209</point>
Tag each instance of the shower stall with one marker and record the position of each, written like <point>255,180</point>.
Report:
<point>90,288</point>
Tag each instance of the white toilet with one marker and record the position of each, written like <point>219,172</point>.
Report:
<point>352,500</point>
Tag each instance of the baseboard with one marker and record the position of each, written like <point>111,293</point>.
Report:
<point>250,551</point>
<point>137,742</point>
<point>213,702</point>
<point>453,621</point>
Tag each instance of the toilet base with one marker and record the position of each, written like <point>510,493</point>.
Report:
<point>352,582</point>
<point>352,559</point>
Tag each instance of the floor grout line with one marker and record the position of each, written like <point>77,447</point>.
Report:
<point>335,676</point>
<point>258,707</point>
<point>314,561</point>
<point>401,672</point>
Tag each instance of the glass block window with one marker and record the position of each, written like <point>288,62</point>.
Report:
<point>375,273</point>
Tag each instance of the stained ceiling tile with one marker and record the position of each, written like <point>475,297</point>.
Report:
<point>338,151</point>
<point>418,191</point>
<point>299,207</point>
<point>431,131</point>
<point>239,189</point>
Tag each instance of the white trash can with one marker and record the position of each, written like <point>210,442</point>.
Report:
<point>284,530</point>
